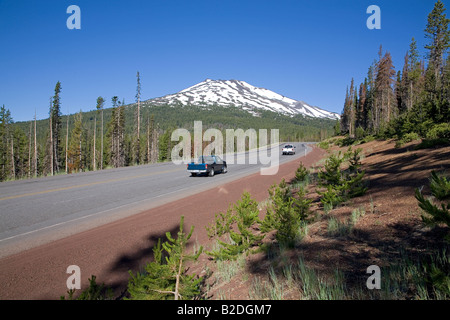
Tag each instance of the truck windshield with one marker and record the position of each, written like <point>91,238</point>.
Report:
<point>203,159</point>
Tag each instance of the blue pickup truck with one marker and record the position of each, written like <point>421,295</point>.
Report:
<point>208,165</point>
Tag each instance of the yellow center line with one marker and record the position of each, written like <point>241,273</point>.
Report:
<point>84,185</point>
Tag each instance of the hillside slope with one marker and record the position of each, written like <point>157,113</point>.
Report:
<point>388,232</point>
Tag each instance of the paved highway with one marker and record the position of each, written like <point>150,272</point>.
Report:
<point>36,211</point>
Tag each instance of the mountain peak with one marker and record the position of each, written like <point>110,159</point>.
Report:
<point>241,94</point>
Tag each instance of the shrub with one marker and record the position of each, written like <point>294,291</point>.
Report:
<point>331,173</point>
<point>345,142</point>
<point>440,186</point>
<point>368,139</point>
<point>166,277</point>
<point>439,131</point>
<point>440,189</point>
<point>95,291</point>
<point>359,133</point>
<point>332,197</point>
<point>301,173</point>
<point>324,145</point>
<point>342,185</point>
<point>286,214</point>
<point>222,223</point>
<point>408,137</point>
<point>245,214</point>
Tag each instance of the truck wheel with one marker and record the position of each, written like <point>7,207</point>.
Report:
<point>211,173</point>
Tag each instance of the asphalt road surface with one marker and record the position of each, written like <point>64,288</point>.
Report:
<point>37,211</point>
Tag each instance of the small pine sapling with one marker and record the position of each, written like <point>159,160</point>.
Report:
<point>440,190</point>
<point>246,215</point>
<point>166,277</point>
<point>301,173</point>
<point>222,223</point>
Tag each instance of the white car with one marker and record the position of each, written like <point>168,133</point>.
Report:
<point>288,149</point>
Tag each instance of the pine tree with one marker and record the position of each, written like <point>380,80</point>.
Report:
<point>361,108</point>
<point>67,145</point>
<point>166,276</point>
<point>435,213</point>
<point>74,153</point>
<point>246,216</point>
<point>29,151</point>
<point>154,150</point>
<point>99,108</point>
<point>116,134</point>
<point>55,114</point>
<point>370,100</point>
<point>348,115</point>
<point>49,154</point>
<point>446,92</point>
<point>345,118</point>
<point>399,94</point>
<point>403,88</point>
<point>100,102</point>
<point>35,157</point>
<point>384,94</point>
<point>438,33</point>
<point>414,74</point>
<point>137,143</point>
<point>5,137</point>
<point>150,128</point>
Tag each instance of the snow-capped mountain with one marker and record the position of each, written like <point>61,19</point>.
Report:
<point>241,94</point>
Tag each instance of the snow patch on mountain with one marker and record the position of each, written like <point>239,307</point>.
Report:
<point>241,94</point>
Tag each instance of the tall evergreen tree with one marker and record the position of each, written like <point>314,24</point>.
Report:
<point>348,115</point>
<point>35,157</point>
<point>116,134</point>
<point>438,33</point>
<point>370,99</point>
<point>5,137</point>
<point>361,108</point>
<point>75,145</point>
<point>50,154</point>
<point>55,114</point>
<point>399,94</point>
<point>137,151</point>
<point>414,74</point>
<point>384,91</point>
<point>100,103</point>
<point>439,36</point>
<point>67,145</point>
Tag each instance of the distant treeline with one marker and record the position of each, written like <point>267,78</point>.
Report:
<point>413,102</point>
<point>125,135</point>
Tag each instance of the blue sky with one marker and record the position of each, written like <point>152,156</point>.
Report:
<point>306,50</point>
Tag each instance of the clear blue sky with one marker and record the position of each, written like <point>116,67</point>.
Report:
<point>306,50</point>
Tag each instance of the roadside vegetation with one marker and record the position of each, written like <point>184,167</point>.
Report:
<point>266,248</point>
<point>410,104</point>
<point>381,197</point>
